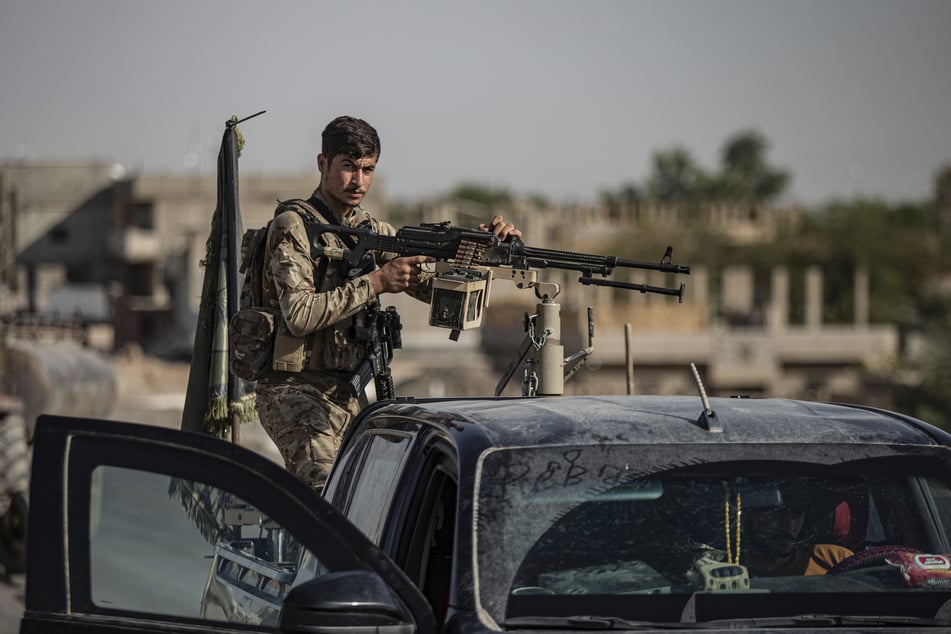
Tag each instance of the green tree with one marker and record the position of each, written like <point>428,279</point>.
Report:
<point>921,385</point>
<point>482,194</point>
<point>676,177</point>
<point>941,211</point>
<point>745,176</point>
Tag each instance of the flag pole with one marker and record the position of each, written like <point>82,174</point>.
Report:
<point>232,229</point>
<point>230,222</point>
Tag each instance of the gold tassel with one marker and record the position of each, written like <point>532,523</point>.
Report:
<point>726,526</point>
<point>216,421</point>
<point>245,408</point>
<point>739,511</point>
<point>732,557</point>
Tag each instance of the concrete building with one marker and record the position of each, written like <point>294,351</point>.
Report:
<point>125,250</point>
<point>87,238</point>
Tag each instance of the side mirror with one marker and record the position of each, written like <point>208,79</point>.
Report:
<point>352,602</point>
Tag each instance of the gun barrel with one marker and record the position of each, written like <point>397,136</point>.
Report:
<point>602,263</point>
<point>666,267</point>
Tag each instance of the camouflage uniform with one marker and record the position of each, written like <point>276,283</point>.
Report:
<point>306,419</point>
<point>306,413</point>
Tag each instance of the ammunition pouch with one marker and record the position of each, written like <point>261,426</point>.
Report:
<point>336,350</point>
<point>251,339</point>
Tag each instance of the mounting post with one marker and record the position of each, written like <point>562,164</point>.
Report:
<point>551,354</point>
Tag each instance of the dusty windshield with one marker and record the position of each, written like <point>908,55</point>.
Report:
<point>565,522</point>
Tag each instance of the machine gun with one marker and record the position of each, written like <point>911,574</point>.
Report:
<point>468,259</point>
<point>382,336</point>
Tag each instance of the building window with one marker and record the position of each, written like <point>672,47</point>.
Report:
<point>140,214</point>
<point>138,279</point>
<point>59,235</point>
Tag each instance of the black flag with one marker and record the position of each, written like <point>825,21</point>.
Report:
<point>216,401</point>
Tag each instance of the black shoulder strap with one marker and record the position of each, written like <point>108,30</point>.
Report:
<point>306,209</point>
<point>324,210</point>
<point>331,217</point>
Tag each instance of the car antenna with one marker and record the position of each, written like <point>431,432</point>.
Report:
<point>708,418</point>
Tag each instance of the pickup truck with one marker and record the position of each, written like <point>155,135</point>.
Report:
<point>461,516</point>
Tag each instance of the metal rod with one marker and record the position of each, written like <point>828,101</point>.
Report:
<point>629,356</point>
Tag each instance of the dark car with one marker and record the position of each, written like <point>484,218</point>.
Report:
<point>478,515</point>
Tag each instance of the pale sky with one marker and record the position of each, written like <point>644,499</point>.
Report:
<point>558,97</point>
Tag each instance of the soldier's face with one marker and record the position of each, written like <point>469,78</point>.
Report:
<point>344,181</point>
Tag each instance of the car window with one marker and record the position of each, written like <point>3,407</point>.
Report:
<point>941,494</point>
<point>375,481</point>
<point>178,547</point>
<point>647,526</point>
<point>425,548</point>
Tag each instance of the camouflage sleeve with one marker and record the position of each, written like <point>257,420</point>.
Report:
<point>422,291</point>
<point>292,270</point>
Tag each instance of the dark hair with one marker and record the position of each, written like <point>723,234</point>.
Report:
<point>351,137</point>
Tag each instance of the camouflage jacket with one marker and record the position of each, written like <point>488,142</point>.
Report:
<point>316,297</point>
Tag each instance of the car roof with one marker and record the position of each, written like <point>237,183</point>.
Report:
<point>639,419</point>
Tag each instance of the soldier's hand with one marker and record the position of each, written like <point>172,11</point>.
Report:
<point>502,229</point>
<point>398,274</point>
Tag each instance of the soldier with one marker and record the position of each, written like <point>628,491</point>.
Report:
<point>306,413</point>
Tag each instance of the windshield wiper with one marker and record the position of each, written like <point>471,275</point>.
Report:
<point>805,620</point>
<point>593,622</point>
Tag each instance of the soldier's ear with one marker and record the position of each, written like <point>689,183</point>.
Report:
<point>321,163</point>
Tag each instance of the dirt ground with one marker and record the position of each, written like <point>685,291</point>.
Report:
<point>151,391</point>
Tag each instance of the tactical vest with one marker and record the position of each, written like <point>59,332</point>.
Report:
<point>328,349</point>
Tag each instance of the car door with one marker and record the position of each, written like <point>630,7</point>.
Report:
<point>127,522</point>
